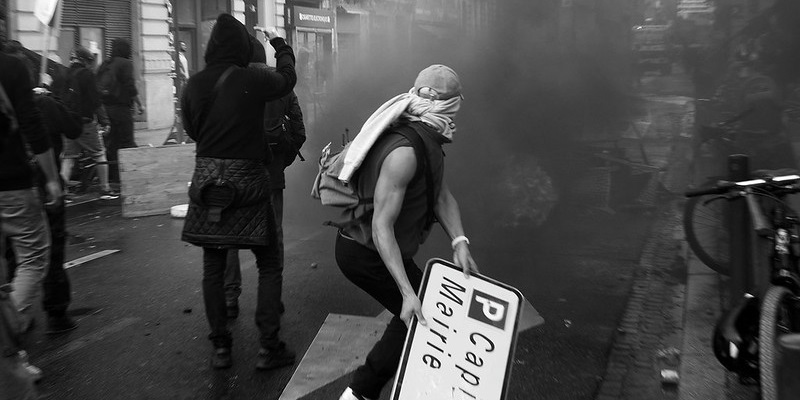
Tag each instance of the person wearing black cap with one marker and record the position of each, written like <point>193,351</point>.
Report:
<point>376,252</point>
<point>229,197</point>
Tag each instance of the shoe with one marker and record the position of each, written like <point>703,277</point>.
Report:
<point>108,195</point>
<point>34,371</point>
<point>349,394</point>
<point>274,358</point>
<point>222,358</point>
<point>232,309</point>
<point>60,324</point>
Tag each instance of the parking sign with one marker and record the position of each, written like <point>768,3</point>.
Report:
<point>467,348</point>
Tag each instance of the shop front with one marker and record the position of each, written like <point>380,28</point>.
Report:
<point>313,37</point>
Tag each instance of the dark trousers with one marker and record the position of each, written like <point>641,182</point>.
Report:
<point>233,270</point>
<point>270,282</point>
<point>364,267</point>
<point>120,137</point>
<point>57,291</point>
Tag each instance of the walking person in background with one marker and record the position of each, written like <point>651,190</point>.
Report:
<point>118,94</point>
<point>79,92</point>
<point>61,124</point>
<point>376,252</point>
<point>22,219</point>
<point>183,64</point>
<point>285,133</point>
<point>229,198</point>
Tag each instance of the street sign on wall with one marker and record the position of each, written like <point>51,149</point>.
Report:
<point>313,17</point>
<point>466,350</point>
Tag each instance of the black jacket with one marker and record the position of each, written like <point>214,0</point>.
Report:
<point>286,133</point>
<point>15,168</point>
<point>229,203</point>
<point>78,90</point>
<point>232,127</point>
<point>58,121</point>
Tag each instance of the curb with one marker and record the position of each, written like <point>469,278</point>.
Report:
<point>649,334</point>
<point>702,376</point>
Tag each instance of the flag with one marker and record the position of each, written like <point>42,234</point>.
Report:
<point>44,10</point>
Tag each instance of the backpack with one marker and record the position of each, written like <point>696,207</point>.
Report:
<point>71,92</point>
<point>330,191</point>
<point>8,118</point>
<point>107,84</point>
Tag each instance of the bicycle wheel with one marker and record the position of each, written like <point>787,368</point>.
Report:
<point>775,320</point>
<point>706,233</point>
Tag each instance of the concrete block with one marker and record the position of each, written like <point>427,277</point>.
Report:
<point>153,179</point>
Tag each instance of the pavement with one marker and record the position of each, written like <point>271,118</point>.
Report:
<point>662,347</point>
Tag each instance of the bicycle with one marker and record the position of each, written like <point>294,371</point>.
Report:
<point>704,222</point>
<point>746,337</point>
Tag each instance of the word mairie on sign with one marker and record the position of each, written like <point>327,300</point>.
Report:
<point>467,348</point>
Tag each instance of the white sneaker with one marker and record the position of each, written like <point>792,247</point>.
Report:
<point>349,394</point>
<point>34,371</point>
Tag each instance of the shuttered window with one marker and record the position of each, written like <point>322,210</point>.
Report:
<point>113,16</point>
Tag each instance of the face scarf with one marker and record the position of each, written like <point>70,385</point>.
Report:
<point>438,114</point>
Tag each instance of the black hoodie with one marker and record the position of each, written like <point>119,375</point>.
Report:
<point>122,69</point>
<point>230,125</point>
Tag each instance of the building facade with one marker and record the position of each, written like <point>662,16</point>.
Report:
<point>327,35</point>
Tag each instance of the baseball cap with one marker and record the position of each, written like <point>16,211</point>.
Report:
<point>83,53</point>
<point>440,78</point>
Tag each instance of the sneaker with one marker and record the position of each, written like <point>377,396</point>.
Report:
<point>349,394</point>
<point>34,371</point>
<point>108,195</point>
<point>221,359</point>
<point>60,324</point>
<point>274,358</point>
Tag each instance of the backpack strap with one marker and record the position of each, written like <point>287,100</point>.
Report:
<point>215,90</point>
<point>423,166</point>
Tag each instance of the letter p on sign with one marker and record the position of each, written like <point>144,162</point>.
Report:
<point>488,309</point>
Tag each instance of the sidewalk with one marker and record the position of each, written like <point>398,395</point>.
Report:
<point>663,345</point>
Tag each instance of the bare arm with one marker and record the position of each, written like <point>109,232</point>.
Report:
<point>449,215</point>
<point>396,172</point>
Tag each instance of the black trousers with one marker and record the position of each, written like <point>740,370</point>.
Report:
<point>268,298</point>
<point>120,137</point>
<point>364,267</point>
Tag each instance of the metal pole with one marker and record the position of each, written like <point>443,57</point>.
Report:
<point>178,84</point>
<point>740,249</point>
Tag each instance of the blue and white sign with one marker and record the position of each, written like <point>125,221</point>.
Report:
<point>466,350</point>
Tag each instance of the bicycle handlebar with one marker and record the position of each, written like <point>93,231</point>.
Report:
<point>782,183</point>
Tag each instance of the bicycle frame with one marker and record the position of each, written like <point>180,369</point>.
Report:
<point>736,341</point>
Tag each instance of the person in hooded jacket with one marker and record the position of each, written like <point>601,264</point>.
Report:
<point>286,133</point>
<point>229,197</point>
<point>119,102</point>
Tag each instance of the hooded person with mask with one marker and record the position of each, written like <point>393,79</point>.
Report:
<point>229,197</point>
<point>376,251</point>
<point>286,133</point>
